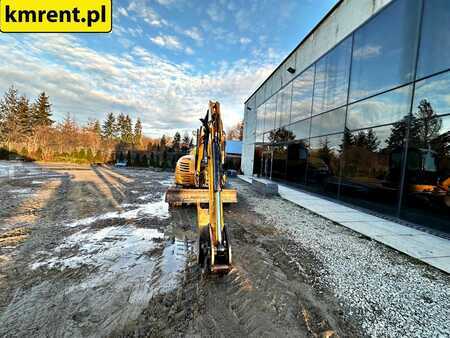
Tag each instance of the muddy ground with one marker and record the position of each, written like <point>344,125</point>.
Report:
<point>95,251</point>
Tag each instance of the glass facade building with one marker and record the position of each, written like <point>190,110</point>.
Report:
<point>368,123</point>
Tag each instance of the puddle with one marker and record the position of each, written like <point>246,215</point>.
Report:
<point>159,209</point>
<point>145,197</point>
<point>112,247</point>
<point>37,182</point>
<point>130,266</point>
<point>20,191</point>
<point>167,183</point>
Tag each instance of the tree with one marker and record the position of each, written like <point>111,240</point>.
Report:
<point>398,134</point>
<point>138,133</point>
<point>425,126</point>
<point>236,132</point>
<point>42,111</point>
<point>127,136</point>
<point>176,142</point>
<point>109,127</point>
<point>281,135</point>
<point>24,116</point>
<point>324,152</point>
<point>185,141</point>
<point>9,123</point>
<point>347,140</point>
<point>372,141</point>
<point>162,142</point>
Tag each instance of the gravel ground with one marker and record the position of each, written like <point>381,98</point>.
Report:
<point>390,294</point>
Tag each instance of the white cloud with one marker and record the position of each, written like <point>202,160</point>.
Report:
<point>367,52</point>
<point>167,41</point>
<point>89,84</point>
<point>195,34</point>
<point>146,13</point>
<point>122,11</point>
<point>215,13</point>
<point>244,40</point>
<point>189,50</point>
<point>165,2</point>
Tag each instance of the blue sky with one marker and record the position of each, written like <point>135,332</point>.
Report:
<point>163,60</point>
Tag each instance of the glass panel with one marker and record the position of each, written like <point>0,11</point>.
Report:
<point>434,55</point>
<point>302,95</point>
<point>297,157</point>
<point>271,110</point>
<point>280,135</point>
<point>279,161</point>
<point>382,109</point>
<point>372,165</point>
<point>300,130</point>
<point>328,123</point>
<point>427,181</point>
<point>435,91</point>
<point>324,164</point>
<point>260,112</point>
<point>331,81</point>
<point>384,50</point>
<point>284,106</point>
<point>257,160</point>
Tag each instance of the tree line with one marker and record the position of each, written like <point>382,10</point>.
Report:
<point>28,130</point>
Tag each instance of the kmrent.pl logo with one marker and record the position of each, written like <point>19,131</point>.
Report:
<point>70,16</point>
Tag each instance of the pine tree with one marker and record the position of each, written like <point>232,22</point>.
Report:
<point>42,111</point>
<point>425,126</point>
<point>176,142</point>
<point>138,133</point>
<point>128,131</point>
<point>185,141</point>
<point>398,134</point>
<point>120,126</point>
<point>372,141</point>
<point>360,139</point>
<point>96,128</point>
<point>347,140</point>
<point>24,117</point>
<point>8,116</point>
<point>109,127</point>
<point>162,142</point>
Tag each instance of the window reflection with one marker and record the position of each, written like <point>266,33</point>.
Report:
<point>328,123</point>
<point>436,91</point>
<point>284,106</point>
<point>427,179</point>
<point>382,109</point>
<point>324,163</point>
<point>384,50</point>
<point>271,109</point>
<point>372,166</point>
<point>297,157</point>
<point>279,161</point>
<point>434,54</point>
<point>280,135</point>
<point>302,95</point>
<point>300,130</point>
<point>257,160</point>
<point>331,80</point>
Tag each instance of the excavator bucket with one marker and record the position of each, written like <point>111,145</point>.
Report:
<point>177,196</point>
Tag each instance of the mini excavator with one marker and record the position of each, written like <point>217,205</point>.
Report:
<point>200,180</point>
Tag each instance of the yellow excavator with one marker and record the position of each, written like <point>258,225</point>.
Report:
<point>200,180</point>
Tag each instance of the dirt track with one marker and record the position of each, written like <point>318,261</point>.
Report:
<point>96,252</point>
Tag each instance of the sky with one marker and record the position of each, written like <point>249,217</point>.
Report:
<point>163,60</point>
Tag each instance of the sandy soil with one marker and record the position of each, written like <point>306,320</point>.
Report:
<point>95,251</point>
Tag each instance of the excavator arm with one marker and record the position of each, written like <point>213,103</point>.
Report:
<point>214,246</point>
